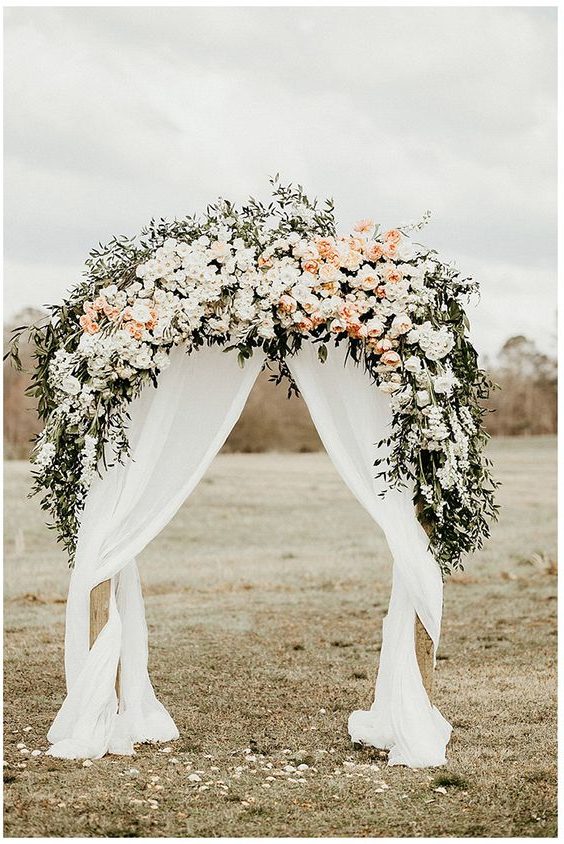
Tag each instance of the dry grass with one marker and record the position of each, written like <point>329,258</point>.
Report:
<point>265,599</point>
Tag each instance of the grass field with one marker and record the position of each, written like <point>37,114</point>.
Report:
<point>265,599</point>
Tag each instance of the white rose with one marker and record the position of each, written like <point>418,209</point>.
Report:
<point>133,289</point>
<point>109,292</point>
<point>140,312</point>
<point>401,324</point>
<point>423,398</point>
<point>161,360</point>
<point>412,364</point>
<point>388,387</point>
<point>70,385</point>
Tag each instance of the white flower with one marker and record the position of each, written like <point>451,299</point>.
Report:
<point>445,383</point>
<point>70,385</point>
<point>388,386</point>
<point>161,359</point>
<point>140,311</point>
<point>412,364</point>
<point>401,324</point>
<point>44,457</point>
<point>423,398</point>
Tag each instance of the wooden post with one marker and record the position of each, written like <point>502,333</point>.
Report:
<point>99,614</point>
<point>424,644</point>
<point>424,654</point>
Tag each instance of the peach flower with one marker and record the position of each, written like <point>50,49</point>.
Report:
<point>392,274</point>
<point>337,326</point>
<point>391,359</point>
<point>88,324</point>
<point>383,345</point>
<point>287,304</point>
<point>370,281</point>
<point>305,324</point>
<point>374,327</point>
<point>348,310</point>
<point>151,323</point>
<point>356,244</point>
<point>311,266</point>
<point>89,310</point>
<point>381,291</point>
<point>264,262</point>
<point>331,288</point>
<point>135,329</point>
<point>392,236</point>
<point>325,246</point>
<point>110,311</point>
<point>373,251</point>
<point>390,250</point>
<point>317,318</point>
<point>357,329</point>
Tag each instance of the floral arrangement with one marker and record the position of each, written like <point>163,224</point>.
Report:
<point>267,276</point>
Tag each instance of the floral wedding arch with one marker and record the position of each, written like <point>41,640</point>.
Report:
<point>369,327</point>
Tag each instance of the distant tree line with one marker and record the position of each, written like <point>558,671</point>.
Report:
<point>525,405</point>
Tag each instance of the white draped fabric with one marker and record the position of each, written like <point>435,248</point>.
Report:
<point>175,432</point>
<point>351,416</point>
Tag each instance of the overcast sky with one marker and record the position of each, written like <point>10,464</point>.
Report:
<point>114,115</point>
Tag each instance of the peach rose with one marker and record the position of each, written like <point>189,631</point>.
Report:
<point>391,359</point>
<point>135,329</point>
<point>373,251</point>
<point>347,310</point>
<point>356,244</point>
<point>381,291</point>
<point>325,246</point>
<point>337,326</point>
<point>100,303</point>
<point>352,260</point>
<point>264,262</point>
<point>401,324</point>
<point>392,236</point>
<point>383,345</point>
<point>317,318</point>
<point>88,324</point>
<point>287,304</point>
<point>311,266</point>
<point>151,323</point>
<point>370,281</point>
<point>357,329</point>
<point>89,310</point>
<point>374,327</point>
<point>110,312</point>
<point>390,250</point>
<point>305,324</point>
<point>334,258</point>
<point>392,274</point>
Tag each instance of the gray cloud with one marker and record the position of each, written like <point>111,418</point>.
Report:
<point>114,115</point>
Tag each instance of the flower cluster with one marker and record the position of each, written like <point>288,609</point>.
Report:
<point>268,277</point>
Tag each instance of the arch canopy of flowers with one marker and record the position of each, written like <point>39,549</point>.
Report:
<point>269,275</point>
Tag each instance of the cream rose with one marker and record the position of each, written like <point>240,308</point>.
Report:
<point>401,324</point>
<point>391,359</point>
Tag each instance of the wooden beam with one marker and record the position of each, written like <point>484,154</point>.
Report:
<point>99,614</point>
